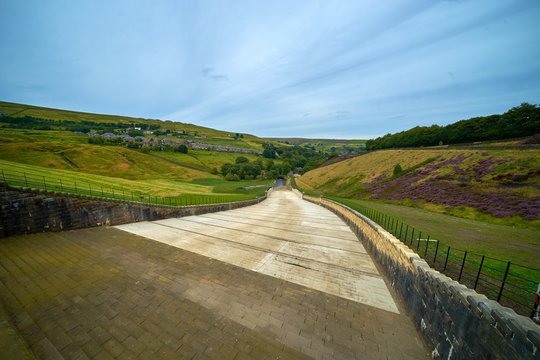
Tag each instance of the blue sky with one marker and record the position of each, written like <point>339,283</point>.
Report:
<point>330,69</point>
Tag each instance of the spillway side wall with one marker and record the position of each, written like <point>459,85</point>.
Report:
<point>25,211</point>
<point>455,321</point>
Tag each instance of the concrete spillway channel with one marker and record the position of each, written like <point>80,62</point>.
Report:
<point>284,237</point>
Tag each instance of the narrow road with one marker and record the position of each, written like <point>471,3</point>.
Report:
<point>282,279</point>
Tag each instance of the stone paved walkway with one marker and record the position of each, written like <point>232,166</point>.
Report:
<point>105,293</point>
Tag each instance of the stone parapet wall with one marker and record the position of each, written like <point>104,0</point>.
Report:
<point>30,211</point>
<point>456,322</point>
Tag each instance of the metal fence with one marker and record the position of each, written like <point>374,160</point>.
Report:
<point>19,179</point>
<point>508,283</point>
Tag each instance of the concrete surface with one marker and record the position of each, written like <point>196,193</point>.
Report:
<point>104,293</point>
<point>284,237</point>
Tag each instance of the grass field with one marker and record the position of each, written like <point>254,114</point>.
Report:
<point>212,189</point>
<point>196,133</point>
<point>67,152</point>
<point>498,186</point>
<point>62,161</point>
<point>203,159</point>
<point>505,242</point>
<point>340,146</point>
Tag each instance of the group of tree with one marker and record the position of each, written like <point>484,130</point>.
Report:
<point>298,158</point>
<point>243,169</point>
<point>291,158</point>
<point>520,121</point>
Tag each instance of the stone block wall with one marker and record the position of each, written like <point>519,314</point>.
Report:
<point>29,211</point>
<point>456,322</point>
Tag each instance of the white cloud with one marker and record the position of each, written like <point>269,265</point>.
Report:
<point>302,68</point>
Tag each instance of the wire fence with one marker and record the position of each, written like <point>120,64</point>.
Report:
<point>510,284</point>
<point>20,179</point>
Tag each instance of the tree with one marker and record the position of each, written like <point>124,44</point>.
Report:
<point>135,132</point>
<point>397,169</point>
<point>269,151</point>
<point>181,149</point>
<point>232,177</point>
<point>242,160</point>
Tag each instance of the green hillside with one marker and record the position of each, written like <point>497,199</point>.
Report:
<point>45,149</point>
<point>190,131</point>
<point>166,189</point>
<point>338,146</point>
<point>495,185</point>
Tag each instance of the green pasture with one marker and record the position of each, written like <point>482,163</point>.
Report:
<point>193,132</point>
<point>508,243</point>
<point>203,159</point>
<point>159,190</point>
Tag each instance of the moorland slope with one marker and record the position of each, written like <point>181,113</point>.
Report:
<point>492,184</point>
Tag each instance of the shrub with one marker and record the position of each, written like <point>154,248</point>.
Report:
<point>397,169</point>
<point>232,177</point>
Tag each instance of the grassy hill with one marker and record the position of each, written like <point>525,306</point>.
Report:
<point>53,156</point>
<point>496,185</point>
<point>193,132</point>
<point>339,146</point>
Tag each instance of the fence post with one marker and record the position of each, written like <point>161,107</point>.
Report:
<point>61,185</point>
<point>412,235</point>
<point>76,191</point>
<point>90,188</point>
<point>392,225</point>
<point>503,282</point>
<point>406,231</point>
<point>462,265</point>
<point>419,238</point>
<point>123,194</point>
<point>401,229</point>
<point>479,271</point>
<point>25,180</point>
<point>436,251</point>
<point>446,261</point>
<point>427,244</point>
<point>44,184</point>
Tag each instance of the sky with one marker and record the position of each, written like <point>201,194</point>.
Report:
<point>322,69</point>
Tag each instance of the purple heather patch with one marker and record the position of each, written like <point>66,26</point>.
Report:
<point>485,166</point>
<point>437,189</point>
<point>375,180</point>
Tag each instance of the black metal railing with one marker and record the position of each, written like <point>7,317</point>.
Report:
<point>19,179</point>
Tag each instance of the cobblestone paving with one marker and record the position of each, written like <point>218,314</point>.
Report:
<point>107,294</point>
